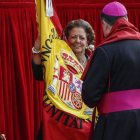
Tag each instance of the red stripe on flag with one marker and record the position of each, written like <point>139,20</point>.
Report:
<point>60,88</point>
<point>63,90</point>
<point>67,93</point>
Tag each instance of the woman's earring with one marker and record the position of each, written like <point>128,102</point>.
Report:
<point>91,47</point>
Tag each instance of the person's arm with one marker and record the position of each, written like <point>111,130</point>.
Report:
<point>96,80</point>
<point>36,60</point>
<point>36,51</point>
<point>37,71</point>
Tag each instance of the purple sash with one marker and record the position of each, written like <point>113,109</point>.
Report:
<point>119,101</point>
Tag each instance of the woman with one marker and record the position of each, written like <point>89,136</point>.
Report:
<point>79,34</point>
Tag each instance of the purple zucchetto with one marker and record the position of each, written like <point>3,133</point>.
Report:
<point>114,9</point>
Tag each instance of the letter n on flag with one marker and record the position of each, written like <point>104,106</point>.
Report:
<point>64,113</point>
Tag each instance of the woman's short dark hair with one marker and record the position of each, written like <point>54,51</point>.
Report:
<point>83,24</point>
<point>111,19</point>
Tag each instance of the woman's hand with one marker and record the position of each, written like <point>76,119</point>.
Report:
<point>37,43</point>
<point>37,46</point>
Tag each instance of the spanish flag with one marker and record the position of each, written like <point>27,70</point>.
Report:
<point>64,113</point>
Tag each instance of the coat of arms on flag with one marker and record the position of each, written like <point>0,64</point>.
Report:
<point>69,89</point>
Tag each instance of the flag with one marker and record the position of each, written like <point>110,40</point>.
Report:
<point>64,113</point>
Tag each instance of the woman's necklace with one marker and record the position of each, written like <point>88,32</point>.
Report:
<point>77,55</point>
<point>83,62</point>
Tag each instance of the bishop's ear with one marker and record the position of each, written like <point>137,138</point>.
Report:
<point>104,25</point>
<point>106,28</point>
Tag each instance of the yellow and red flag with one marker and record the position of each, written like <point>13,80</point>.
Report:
<point>64,113</point>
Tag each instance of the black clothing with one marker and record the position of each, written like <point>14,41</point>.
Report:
<point>39,136</point>
<point>122,60</point>
<point>37,71</point>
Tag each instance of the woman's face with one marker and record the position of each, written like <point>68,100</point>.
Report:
<point>78,40</point>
